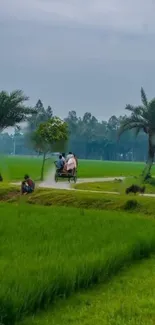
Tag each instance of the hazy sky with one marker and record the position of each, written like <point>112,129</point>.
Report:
<point>87,55</point>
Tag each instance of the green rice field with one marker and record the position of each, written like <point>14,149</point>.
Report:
<point>49,253</point>
<point>14,168</point>
<point>128,299</point>
<point>75,257</point>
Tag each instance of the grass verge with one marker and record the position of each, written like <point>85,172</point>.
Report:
<point>78,199</point>
<point>46,253</point>
<point>128,299</point>
<point>117,185</point>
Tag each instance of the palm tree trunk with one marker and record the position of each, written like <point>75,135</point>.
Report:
<point>43,165</point>
<point>151,152</point>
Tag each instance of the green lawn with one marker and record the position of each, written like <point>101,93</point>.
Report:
<point>14,168</point>
<point>47,253</point>
<point>128,299</point>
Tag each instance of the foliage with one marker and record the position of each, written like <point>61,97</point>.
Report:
<point>55,251</point>
<point>50,136</point>
<point>94,139</point>
<point>42,115</point>
<point>88,138</point>
<point>142,118</point>
<point>12,108</point>
<point>130,205</point>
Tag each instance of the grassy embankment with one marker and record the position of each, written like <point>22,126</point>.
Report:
<point>78,199</point>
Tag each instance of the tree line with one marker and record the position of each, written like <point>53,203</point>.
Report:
<point>86,136</point>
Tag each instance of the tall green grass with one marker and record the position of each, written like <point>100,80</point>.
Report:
<point>14,168</point>
<point>128,299</point>
<point>47,253</point>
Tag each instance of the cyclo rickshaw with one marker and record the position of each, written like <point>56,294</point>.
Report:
<point>64,174</point>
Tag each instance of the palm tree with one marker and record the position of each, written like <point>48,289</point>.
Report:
<point>142,118</point>
<point>12,109</point>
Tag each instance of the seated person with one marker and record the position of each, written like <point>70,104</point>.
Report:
<point>60,164</point>
<point>30,184</point>
<point>75,157</point>
<point>70,155</point>
<point>24,188</point>
<point>71,165</point>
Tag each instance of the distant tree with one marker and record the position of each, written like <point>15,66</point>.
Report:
<point>42,115</point>
<point>6,143</point>
<point>142,118</point>
<point>49,112</point>
<point>12,108</point>
<point>39,105</point>
<point>50,136</point>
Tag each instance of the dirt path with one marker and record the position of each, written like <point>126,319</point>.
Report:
<point>50,183</point>
<point>94,180</point>
<point>66,186</point>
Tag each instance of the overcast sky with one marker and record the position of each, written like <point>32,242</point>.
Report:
<point>87,55</point>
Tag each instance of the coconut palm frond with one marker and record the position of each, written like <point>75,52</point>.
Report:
<point>18,97</point>
<point>152,107</point>
<point>140,111</point>
<point>132,123</point>
<point>130,108</point>
<point>136,110</point>
<point>144,98</point>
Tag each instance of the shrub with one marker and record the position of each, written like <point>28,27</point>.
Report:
<point>131,205</point>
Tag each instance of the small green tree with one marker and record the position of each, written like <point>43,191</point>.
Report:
<point>50,136</point>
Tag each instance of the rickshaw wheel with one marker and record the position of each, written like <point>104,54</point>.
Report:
<point>75,179</point>
<point>56,177</point>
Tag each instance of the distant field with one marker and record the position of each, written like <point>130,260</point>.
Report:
<point>14,168</point>
<point>128,299</point>
<point>46,253</point>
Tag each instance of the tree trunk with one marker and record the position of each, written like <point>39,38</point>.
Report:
<point>151,152</point>
<point>43,165</point>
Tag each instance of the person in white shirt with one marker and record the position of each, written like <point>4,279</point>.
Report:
<point>71,165</point>
<point>70,155</point>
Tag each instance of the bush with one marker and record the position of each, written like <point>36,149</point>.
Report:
<point>131,205</point>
